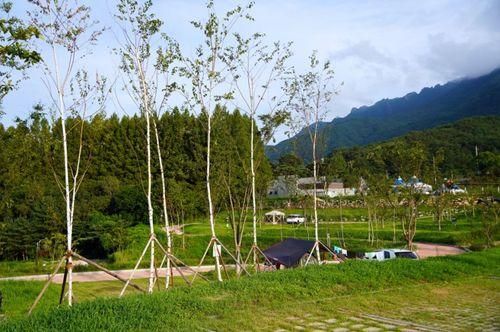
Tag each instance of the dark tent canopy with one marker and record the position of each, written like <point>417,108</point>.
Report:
<point>289,252</point>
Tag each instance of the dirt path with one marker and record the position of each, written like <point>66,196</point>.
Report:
<point>425,250</point>
<point>93,276</point>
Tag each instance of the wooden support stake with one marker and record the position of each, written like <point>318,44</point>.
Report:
<point>171,277</point>
<point>265,257</point>
<point>317,244</point>
<point>223,264</point>
<point>170,256</point>
<point>229,253</point>
<point>248,256</point>
<point>202,259</point>
<point>311,253</point>
<point>46,285</point>
<point>136,266</point>
<point>175,265</point>
<point>111,273</point>
<point>64,282</point>
<point>256,250</point>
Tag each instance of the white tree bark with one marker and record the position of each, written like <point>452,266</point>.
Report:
<point>254,198</point>
<point>164,201</point>
<point>150,205</point>
<point>67,190</point>
<point>315,204</point>
<point>209,195</point>
<point>209,191</point>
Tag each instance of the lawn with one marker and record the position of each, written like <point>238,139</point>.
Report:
<point>18,296</point>
<point>190,246</point>
<point>446,293</point>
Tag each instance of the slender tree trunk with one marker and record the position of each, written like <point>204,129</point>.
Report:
<point>209,191</point>
<point>164,201</point>
<point>147,113</point>
<point>369,221</point>
<point>209,196</point>
<point>394,225</point>
<point>254,202</point>
<point>69,221</point>
<point>150,205</point>
<point>315,204</point>
<point>341,224</point>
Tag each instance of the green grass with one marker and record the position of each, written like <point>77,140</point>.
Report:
<point>263,300</point>
<point>191,246</point>
<point>20,295</point>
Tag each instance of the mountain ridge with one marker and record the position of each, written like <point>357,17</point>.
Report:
<point>389,118</point>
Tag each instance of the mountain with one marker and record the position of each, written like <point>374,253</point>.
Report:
<point>390,118</point>
<point>444,151</point>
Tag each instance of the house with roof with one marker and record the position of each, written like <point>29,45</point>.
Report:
<point>289,186</point>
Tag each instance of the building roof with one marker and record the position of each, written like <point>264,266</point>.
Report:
<point>275,213</point>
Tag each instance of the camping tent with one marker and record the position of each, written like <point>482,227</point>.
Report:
<point>289,252</point>
<point>399,182</point>
<point>275,217</point>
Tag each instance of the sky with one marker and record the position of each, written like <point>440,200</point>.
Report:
<point>379,49</point>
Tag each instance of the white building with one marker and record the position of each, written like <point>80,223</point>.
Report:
<point>289,186</point>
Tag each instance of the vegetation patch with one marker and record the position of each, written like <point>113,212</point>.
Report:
<point>188,308</point>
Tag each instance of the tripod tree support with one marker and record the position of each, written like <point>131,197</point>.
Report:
<point>214,241</point>
<point>111,273</point>
<point>168,256</point>
<point>316,248</point>
<point>256,251</point>
<point>58,266</point>
<point>136,265</point>
<point>172,259</point>
<point>66,258</point>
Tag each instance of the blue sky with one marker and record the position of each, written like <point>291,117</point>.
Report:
<point>379,49</point>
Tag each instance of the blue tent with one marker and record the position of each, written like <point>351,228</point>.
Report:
<point>399,182</point>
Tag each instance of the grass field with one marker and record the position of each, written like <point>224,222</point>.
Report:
<point>447,293</point>
<point>19,295</point>
<point>190,246</point>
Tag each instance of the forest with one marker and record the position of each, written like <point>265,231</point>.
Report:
<point>113,193</point>
<point>112,197</point>
<point>447,151</point>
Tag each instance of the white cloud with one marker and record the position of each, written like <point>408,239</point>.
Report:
<point>380,49</point>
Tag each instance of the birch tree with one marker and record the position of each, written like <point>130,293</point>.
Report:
<point>138,26</point>
<point>310,95</point>
<point>255,68</point>
<point>150,85</point>
<point>68,31</point>
<point>208,78</point>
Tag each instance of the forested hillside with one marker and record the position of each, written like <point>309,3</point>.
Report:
<point>394,117</point>
<point>446,151</point>
<point>112,195</point>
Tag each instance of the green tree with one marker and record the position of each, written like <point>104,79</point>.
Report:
<point>16,53</point>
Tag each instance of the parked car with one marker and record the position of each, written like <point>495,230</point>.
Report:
<point>456,190</point>
<point>387,254</point>
<point>295,219</point>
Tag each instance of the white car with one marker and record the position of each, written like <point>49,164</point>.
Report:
<point>457,190</point>
<point>387,254</point>
<point>295,219</point>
